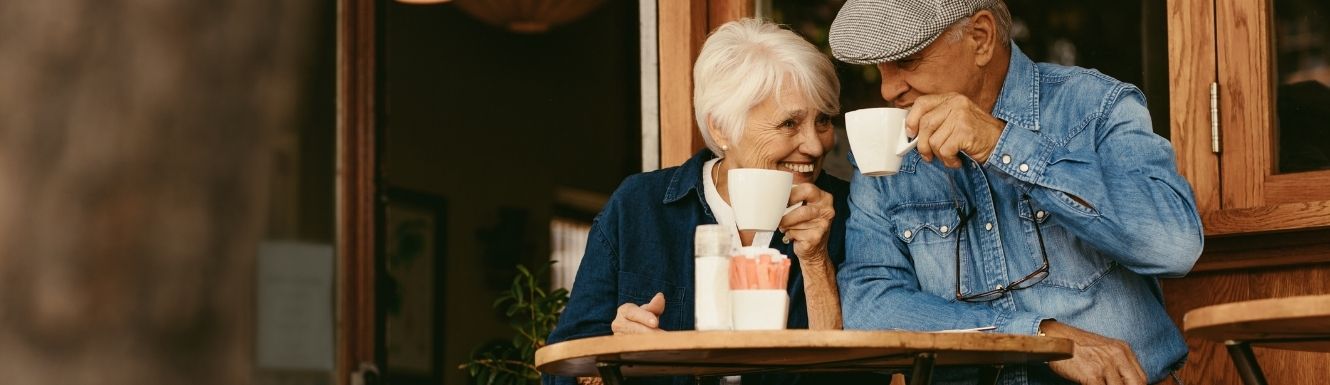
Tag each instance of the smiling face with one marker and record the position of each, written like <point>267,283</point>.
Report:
<point>783,132</point>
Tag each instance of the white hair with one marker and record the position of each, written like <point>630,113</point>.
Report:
<point>746,61</point>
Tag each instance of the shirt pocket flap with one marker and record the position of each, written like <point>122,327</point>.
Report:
<point>1033,214</point>
<point>638,288</point>
<point>928,221</point>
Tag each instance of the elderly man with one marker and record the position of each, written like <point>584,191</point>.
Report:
<point>1038,202</point>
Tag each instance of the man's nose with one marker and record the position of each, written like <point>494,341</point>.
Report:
<point>893,85</point>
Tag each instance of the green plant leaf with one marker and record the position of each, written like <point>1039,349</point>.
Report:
<point>532,312</point>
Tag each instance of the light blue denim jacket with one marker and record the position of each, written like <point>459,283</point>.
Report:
<point>1071,132</point>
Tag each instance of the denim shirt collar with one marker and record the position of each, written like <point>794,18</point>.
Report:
<point>1018,103</point>
<point>688,177</point>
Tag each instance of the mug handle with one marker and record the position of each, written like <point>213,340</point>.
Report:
<point>792,207</point>
<point>905,146</point>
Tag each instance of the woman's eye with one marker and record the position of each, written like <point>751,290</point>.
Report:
<point>789,123</point>
<point>823,120</point>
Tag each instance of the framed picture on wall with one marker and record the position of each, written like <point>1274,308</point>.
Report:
<point>412,260</point>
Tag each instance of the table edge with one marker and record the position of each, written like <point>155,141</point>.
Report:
<point>1199,319</point>
<point>603,345</point>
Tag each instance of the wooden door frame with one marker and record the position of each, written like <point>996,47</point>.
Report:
<point>683,26</point>
<point>358,35</point>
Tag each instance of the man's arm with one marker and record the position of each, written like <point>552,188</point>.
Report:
<point>879,289</point>
<point>1114,185</point>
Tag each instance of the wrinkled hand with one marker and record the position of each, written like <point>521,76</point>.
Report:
<point>634,319</point>
<point>809,227</point>
<point>948,124</point>
<point>1096,359</point>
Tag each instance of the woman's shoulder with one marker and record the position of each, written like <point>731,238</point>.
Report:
<point>644,184</point>
<point>640,192</point>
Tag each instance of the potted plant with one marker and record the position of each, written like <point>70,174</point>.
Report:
<point>532,312</point>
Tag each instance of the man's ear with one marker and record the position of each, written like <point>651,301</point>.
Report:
<point>983,37</point>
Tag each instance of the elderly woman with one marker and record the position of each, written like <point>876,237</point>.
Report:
<point>764,98</point>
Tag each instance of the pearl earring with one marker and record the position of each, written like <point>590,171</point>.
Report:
<point>724,147</point>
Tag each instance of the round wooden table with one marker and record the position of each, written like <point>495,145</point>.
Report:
<point>1293,323</point>
<point>721,353</point>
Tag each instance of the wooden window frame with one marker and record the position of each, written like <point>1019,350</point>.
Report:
<point>1237,191</point>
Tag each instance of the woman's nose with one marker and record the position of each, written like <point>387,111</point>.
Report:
<point>811,143</point>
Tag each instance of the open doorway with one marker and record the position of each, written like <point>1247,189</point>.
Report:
<point>505,130</point>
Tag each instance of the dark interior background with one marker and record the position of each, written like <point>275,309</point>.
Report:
<point>494,122</point>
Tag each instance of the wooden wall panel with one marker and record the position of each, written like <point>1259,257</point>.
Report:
<point>1265,250</point>
<point>1209,362</point>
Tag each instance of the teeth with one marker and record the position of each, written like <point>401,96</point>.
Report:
<point>798,167</point>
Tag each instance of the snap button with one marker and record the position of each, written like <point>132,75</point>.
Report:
<point>1025,167</point>
<point>1040,214</point>
<point>1006,159</point>
<point>999,287</point>
<point>943,229</point>
<point>988,226</point>
<point>907,234</point>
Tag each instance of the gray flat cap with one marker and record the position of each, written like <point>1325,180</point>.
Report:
<point>877,31</point>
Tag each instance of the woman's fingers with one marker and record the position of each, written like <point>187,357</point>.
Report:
<point>621,326</point>
<point>633,319</point>
<point>816,203</point>
<point>656,306</point>
<point>798,217</point>
<point>809,194</point>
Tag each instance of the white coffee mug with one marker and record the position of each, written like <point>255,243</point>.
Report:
<point>878,139</point>
<point>758,197</point>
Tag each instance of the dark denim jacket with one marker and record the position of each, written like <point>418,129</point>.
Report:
<point>642,243</point>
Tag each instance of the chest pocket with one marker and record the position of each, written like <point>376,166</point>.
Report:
<point>1072,264</point>
<point>640,288</point>
<point>929,230</point>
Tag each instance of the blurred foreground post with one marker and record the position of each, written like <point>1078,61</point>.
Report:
<point>132,171</point>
